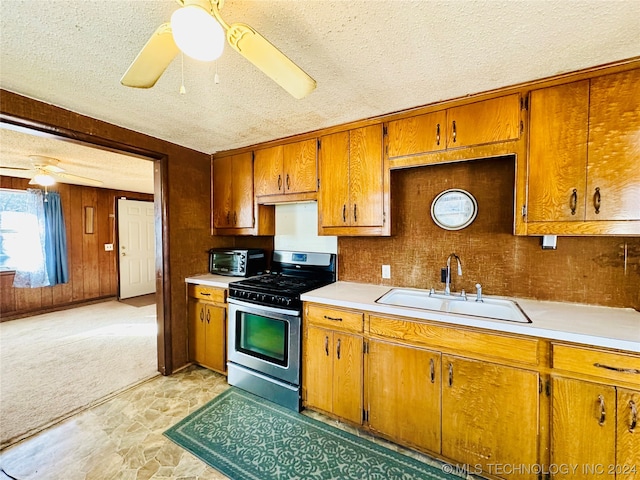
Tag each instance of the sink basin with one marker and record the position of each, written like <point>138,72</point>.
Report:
<point>490,308</point>
<point>405,297</point>
<point>493,308</point>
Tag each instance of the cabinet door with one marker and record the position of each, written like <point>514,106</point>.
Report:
<point>489,414</point>
<point>583,431</point>
<point>222,208</point>
<point>495,120</point>
<point>419,134</point>
<point>318,368</point>
<point>267,171</point>
<point>242,190</point>
<point>197,335</point>
<point>347,376</point>
<point>300,172</point>
<point>333,196</point>
<point>628,435</point>
<point>215,338</point>
<point>558,153</point>
<point>613,168</point>
<point>366,177</point>
<point>404,394</point>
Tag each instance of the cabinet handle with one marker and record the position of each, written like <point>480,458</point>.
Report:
<point>288,182</point>
<point>279,182</point>
<point>335,319</point>
<point>228,218</point>
<point>438,134</point>
<point>451,374</point>
<point>634,416</point>
<point>202,315</point>
<point>205,294</point>
<point>633,371</point>
<point>344,213</point>
<point>235,218</point>
<point>596,200</point>
<point>355,212</point>
<point>602,410</point>
<point>338,349</point>
<point>208,316</point>
<point>432,372</point>
<point>573,202</point>
<point>326,345</point>
<point>455,133</point>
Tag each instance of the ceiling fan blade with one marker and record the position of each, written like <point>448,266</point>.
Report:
<point>52,168</point>
<point>153,59</point>
<point>85,180</point>
<point>273,63</point>
<point>12,170</point>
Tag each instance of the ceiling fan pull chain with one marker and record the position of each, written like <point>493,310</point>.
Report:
<point>182,89</point>
<point>216,78</point>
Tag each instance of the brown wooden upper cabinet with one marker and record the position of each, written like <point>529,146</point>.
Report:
<point>233,191</point>
<point>286,169</point>
<point>489,121</point>
<point>354,186</point>
<point>584,159</point>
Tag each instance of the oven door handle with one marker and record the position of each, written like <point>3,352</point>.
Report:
<point>264,308</point>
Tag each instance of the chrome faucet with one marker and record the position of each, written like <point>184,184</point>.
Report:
<point>479,293</point>
<point>447,288</point>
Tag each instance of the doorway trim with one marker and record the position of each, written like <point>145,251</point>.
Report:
<point>160,202</point>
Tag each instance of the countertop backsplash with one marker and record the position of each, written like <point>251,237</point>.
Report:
<point>590,270</point>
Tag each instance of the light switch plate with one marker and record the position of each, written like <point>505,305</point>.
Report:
<point>386,271</point>
<point>108,247</point>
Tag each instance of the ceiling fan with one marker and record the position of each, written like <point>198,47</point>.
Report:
<point>181,34</point>
<point>45,171</point>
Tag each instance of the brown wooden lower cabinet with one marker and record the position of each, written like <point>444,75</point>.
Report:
<point>509,406</point>
<point>207,328</point>
<point>490,416</point>
<point>333,370</point>
<point>404,394</point>
<point>594,430</point>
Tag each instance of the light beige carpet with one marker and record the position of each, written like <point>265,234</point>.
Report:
<point>55,364</point>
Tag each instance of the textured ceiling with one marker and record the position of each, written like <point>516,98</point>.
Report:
<point>116,171</point>
<point>368,57</point>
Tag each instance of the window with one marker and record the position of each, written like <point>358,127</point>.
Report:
<point>21,246</point>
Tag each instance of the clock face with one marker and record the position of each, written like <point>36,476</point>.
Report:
<point>454,209</point>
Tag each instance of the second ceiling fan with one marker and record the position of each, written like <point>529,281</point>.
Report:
<point>204,15</point>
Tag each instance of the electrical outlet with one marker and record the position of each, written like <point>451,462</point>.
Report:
<point>108,247</point>
<point>386,271</point>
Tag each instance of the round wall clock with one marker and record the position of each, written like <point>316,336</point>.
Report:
<point>454,209</point>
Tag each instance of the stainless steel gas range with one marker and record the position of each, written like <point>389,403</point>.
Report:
<point>265,325</point>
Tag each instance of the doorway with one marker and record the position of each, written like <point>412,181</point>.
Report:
<point>39,129</point>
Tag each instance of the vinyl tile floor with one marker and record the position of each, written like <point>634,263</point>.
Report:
<point>122,437</point>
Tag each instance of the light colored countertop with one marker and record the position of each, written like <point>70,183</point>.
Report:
<point>617,328</point>
<point>221,281</point>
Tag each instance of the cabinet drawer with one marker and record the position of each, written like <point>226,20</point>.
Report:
<point>212,294</point>
<point>334,318</point>
<point>600,363</point>
<point>521,350</point>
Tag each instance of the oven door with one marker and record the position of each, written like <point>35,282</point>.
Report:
<point>265,339</point>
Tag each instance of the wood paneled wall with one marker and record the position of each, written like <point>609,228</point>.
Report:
<point>92,270</point>
<point>590,270</point>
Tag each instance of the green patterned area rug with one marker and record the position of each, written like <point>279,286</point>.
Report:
<point>249,438</point>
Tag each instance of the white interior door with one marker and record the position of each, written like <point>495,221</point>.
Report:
<point>136,244</point>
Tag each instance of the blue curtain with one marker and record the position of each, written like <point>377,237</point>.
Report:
<point>55,244</point>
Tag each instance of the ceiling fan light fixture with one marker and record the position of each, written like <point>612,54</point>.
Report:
<point>197,33</point>
<point>43,180</point>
